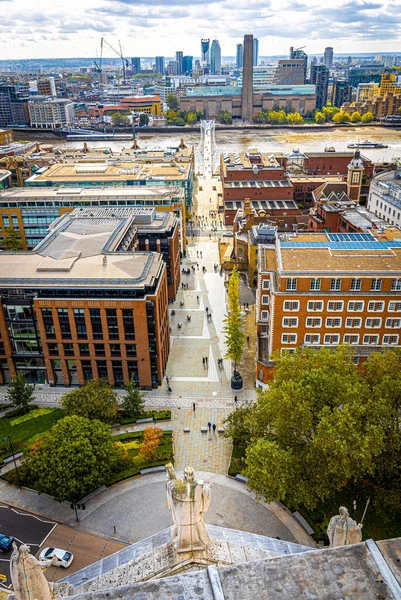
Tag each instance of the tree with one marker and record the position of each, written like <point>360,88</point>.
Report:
<point>235,338</point>
<point>191,117</point>
<point>329,111</point>
<point>319,117</point>
<point>225,117</point>
<point>132,402</point>
<point>294,118</point>
<point>144,119</point>
<point>356,117</point>
<point>19,392</point>
<point>172,102</point>
<point>151,441</point>
<point>341,117</point>
<point>313,431</point>
<point>367,117</point>
<point>11,240</point>
<point>94,400</point>
<point>399,110</point>
<point>74,458</point>
<point>120,120</point>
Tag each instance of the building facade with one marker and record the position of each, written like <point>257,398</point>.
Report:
<point>239,59</point>
<point>13,106</point>
<point>319,76</point>
<point>45,112</point>
<point>160,64</point>
<point>384,198</point>
<point>215,58</point>
<point>328,57</point>
<point>290,72</point>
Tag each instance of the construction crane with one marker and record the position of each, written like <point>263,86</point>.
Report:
<point>119,53</point>
<point>98,69</point>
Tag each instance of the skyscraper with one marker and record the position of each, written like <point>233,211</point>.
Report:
<point>187,63</point>
<point>178,58</point>
<point>136,65</point>
<point>328,58</point>
<point>299,54</point>
<point>215,57</point>
<point>255,52</point>
<point>160,64</point>
<point>205,46</point>
<point>319,76</point>
<point>247,79</point>
<point>240,56</point>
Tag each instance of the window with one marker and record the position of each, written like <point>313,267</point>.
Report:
<point>52,349</point>
<point>394,306</point>
<point>335,284</point>
<point>79,316</point>
<point>395,284</point>
<point>355,360</point>
<point>48,322</point>
<point>99,350</point>
<point>315,306</point>
<point>370,340</point>
<point>314,322</point>
<point>266,284</point>
<point>330,339</point>
<point>128,321</point>
<point>289,338</point>
<point>376,285</point>
<point>332,323</point>
<point>84,349</point>
<point>264,315</point>
<point>355,306</point>
<point>291,285</point>
<point>130,350</point>
<point>393,323</point>
<point>312,338</point>
<point>356,284</point>
<point>373,323</point>
<point>315,284</point>
<point>265,300</point>
<point>96,322</point>
<point>335,306</point>
<point>102,369</point>
<point>375,306</point>
<point>291,306</point>
<point>390,340</point>
<point>68,349</point>
<point>115,350</point>
<point>351,339</point>
<point>112,324</point>
<point>287,350</point>
<point>64,322</point>
<point>87,370</point>
<point>290,321</point>
<point>353,323</point>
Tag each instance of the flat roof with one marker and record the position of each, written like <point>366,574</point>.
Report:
<point>249,160</point>
<point>144,218</point>
<point>90,193</point>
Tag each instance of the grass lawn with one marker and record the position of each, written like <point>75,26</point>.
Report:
<point>236,464</point>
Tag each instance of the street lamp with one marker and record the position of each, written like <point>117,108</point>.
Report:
<point>8,438</point>
<point>76,507</point>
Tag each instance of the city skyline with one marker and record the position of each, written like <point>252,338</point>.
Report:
<point>75,30</point>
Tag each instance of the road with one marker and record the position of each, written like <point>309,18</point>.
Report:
<point>24,528</point>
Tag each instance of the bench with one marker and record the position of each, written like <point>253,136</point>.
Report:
<point>147,420</point>
<point>203,429</point>
<point>186,430</point>
<point>303,522</point>
<point>153,470</point>
<point>220,430</point>
<point>241,478</point>
<point>11,458</point>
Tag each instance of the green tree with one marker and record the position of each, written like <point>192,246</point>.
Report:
<point>277,117</point>
<point>172,102</point>
<point>225,117</point>
<point>75,457</point>
<point>294,118</point>
<point>356,117</point>
<point>19,392</point>
<point>94,400</point>
<point>319,117</point>
<point>144,119</point>
<point>367,117</point>
<point>132,402</point>
<point>399,110</point>
<point>233,327</point>
<point>191,117</point>
<point>341,117</point>
<point>120,120</point>
<point>313,431</point>
<point>329,111</point>
<point>11,241</point>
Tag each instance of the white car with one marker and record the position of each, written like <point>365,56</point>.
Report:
<point>62,557</point>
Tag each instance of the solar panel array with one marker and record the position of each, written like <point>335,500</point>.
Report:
<point>346,245</point>
<point>350,237</point>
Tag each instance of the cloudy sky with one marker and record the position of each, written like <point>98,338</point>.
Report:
<point>73,28</point>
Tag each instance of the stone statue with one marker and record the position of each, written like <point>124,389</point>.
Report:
<point>343,531</point>
<point>27,575</point>
<point>188,501</point>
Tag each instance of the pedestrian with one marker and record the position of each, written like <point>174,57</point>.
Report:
<point>214,427</point>
<point>169,389</point>
<point>201,253</point>
<point>209,425</point>
<point>247,339</point>
<point>197,299</point>
<point>236,400</point>
<point>167,380</point>
<point>206,360</point>
<point>247,305</point>
<point>197,254</point>
<point>207,309</point>
<point>203,360</point>
<point>193,407</point>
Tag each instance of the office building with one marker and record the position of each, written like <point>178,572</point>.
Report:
<point>178,58</point>
<point>290,72</point>
<point>205,52</point>
<point>45,112</point>
<point>136,65</point>
<point>328,58</point>
<point>215,57</point>
<point>172,68</point>
<point>84,304</point>
<point>384,198</point>
<point>299,54</point>
<point>239,56</point>
<point>13,106</point>
<point>262,78</point>
<point>323,289</point>
<point>187,65</point>
<point>160,64</point>
<point>247,79</point>
<point>365,74</point>
<point>319,76</point>
<point>341,92</point>
<point>255,52</point>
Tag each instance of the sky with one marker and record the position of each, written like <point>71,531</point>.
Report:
<point>73,28</point>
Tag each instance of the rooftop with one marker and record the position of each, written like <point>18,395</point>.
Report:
<point>249,160</point>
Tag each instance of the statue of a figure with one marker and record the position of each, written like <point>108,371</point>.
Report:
<point>188,501</point>
<point>343,531</point>
<point>27,575</point>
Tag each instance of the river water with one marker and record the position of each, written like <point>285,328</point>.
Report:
<point>276,140</point>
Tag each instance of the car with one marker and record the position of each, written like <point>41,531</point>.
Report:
<point>6,543</point>
<point>62,557</point>
<point>228,234</point>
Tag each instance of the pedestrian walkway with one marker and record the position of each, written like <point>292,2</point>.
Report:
<point>206,451</point>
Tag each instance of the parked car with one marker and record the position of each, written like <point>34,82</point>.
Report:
<point>6,543</point>
<point>63,558</point>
